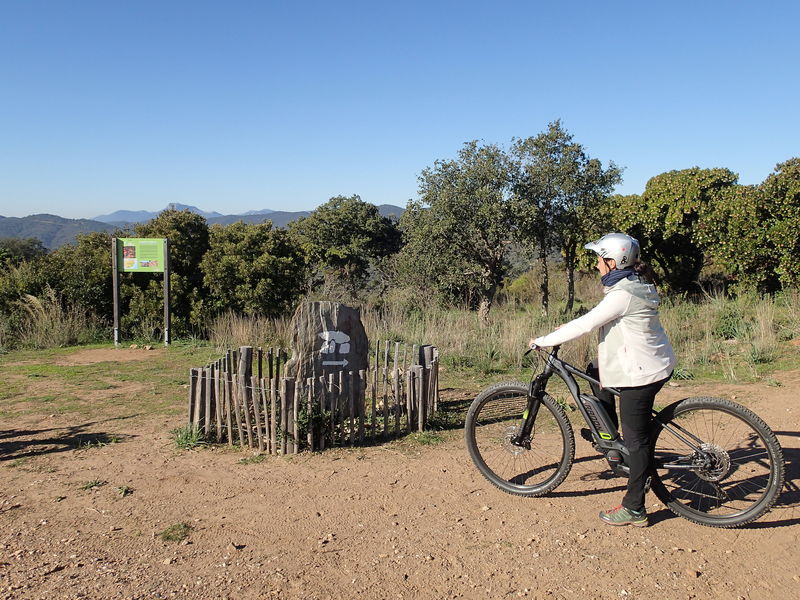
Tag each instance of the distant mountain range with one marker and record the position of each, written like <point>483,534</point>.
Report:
<point>54,231</point>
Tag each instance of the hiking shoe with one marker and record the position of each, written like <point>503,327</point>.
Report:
<point>619,515</point>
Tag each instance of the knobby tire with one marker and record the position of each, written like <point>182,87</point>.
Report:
<point>493,419</point>
<point>743,480</point>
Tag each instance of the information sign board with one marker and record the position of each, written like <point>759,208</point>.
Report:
<point>141,255</point>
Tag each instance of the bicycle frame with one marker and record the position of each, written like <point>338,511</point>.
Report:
<point>594,413</point>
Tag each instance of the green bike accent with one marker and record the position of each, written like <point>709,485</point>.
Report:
<point>605,436</point>
<point>525,414</point>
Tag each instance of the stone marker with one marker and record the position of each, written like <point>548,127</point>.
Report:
<point>327,337</point>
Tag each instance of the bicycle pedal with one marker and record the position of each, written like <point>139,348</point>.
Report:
<point>587,434</point>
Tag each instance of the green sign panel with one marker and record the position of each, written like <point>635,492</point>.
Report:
<point>141,255</point>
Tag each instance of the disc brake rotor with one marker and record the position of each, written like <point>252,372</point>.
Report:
<point>508,443</point>
<point>718,465</point>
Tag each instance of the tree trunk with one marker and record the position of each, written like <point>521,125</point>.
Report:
<point>569,261</point>
<point>483,310</point>
<point>486,304</point>
<point>545,285</point>
<point>570,290</point>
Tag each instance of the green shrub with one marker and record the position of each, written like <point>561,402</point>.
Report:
<point>188,437</point>
<point>176,532</point>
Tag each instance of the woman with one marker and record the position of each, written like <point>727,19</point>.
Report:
<point>634,356</point>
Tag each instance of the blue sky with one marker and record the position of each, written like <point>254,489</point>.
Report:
<point>238,105</point>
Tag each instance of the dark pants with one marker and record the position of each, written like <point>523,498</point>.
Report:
<point>636,410</point>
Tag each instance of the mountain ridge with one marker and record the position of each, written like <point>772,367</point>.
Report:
<point>55,231</point>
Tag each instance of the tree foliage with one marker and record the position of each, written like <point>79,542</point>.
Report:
<point>457,233</point>
<point>732,231</point>
<point>14,251</point>
<point>252,269</point>
<point>560,194</point>
<point>81,273</point>
<point>188,242</point>
<point>664,219</point>
<point>346,240</point>
<point>782,189</point>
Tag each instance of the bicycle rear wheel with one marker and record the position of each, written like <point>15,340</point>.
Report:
<point>718,463</point>
<point>494,419</point>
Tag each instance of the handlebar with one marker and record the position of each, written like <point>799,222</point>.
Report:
<point>553,352</point>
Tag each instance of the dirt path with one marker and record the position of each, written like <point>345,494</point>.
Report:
<point>396,521</point>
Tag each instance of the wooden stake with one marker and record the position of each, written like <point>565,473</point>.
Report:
<point>333,404</point>
<point>273,423</point>
<point>256,395</point>
<point>420,373</point>
<point>323,397</point>
<point>410,400</point>
<point>192,395</point>
<point>207,401</point>
<point>361,402</point>
<point>244,373</point>
<point>296,399</point>
<point>270,358</point>
<point>218,401</point>
<point>340,401</point>
<point>310,414</point>
<point>374,391</point>
<point>396,384</point>
<point>352,406</point>
<point>264,383</point>
<point>235,396</point>
<point>226,392</point>
<point>385,378</point>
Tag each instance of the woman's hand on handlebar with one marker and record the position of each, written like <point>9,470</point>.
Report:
<point>532,344</point>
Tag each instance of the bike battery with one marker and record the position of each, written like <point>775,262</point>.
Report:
<point>599,417</point>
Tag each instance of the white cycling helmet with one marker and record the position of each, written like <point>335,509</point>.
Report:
<point>622,248</point>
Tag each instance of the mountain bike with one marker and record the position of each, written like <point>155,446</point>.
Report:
<point>714,461</point>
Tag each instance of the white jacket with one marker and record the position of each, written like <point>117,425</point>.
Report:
<point>634,349</point>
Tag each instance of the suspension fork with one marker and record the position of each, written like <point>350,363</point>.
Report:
<point>535,393</point>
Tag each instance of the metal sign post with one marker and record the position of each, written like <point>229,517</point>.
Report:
<point>167,334</point>
<point>142,255</point>
<point>115,284</point>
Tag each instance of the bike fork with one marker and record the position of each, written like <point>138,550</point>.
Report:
<point>535,392</point>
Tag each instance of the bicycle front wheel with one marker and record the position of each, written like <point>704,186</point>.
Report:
<point>533,469</point>
<point>715,462</point>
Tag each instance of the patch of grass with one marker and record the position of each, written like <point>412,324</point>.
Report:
<point>565,404</point>
<point>176,532</point>
<point>98,442</point>
<point>18,462</point>
<point>252,460</point>
<point>188,437</point>
<point>682,374</point>
<point>446,419</point>
<point>124,490</point>
<point>10,389</point>
<point>90,485</point>
<point>426,438</point>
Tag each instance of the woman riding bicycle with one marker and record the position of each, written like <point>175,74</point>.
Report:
<point>634,356</point>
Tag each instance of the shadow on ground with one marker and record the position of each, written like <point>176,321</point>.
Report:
<point>28,443</point>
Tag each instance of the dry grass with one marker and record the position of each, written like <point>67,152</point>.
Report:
<point>720,336</point>
<point>231,330</point>
<point>47,323</point>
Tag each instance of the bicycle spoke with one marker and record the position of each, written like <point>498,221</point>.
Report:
<point>727,478</point>
<point>520,468</point>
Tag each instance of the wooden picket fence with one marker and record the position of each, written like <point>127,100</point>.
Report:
<point>243,399</point>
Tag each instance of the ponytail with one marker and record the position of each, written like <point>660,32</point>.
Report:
<point>644,271</point>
